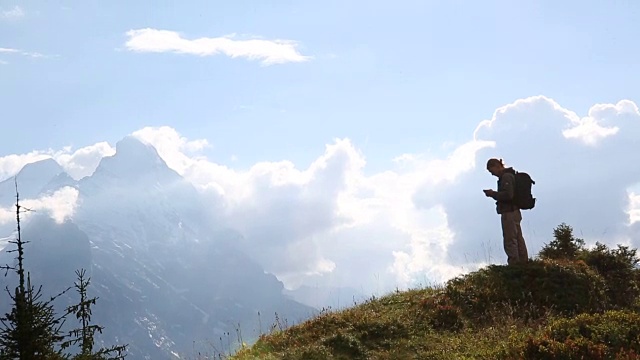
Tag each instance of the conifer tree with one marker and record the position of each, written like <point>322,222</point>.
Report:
<point>564,245</point>
<point>31,330</point>
<point>85,334</point>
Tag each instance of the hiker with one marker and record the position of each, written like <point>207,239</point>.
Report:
<point>510,214</point>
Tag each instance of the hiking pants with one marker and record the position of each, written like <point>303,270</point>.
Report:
<point>513,240</point>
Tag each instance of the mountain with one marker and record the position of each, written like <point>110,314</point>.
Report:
<point>166,273</point>
<point>31,181</point>
<point>53,253</point>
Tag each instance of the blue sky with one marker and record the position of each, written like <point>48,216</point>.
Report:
<point>395,77</point>
<point>406,79</point>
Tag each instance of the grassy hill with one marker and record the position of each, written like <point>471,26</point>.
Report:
<point>569,303</point>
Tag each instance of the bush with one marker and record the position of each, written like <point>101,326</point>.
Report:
<point>563,246</point>
<point>612,335</point>
<point>345,346</point>
<point>529,290</point>
<point>380,331</point>
<point>309,353</point>
<point>618,268</point>
<point>446,317</point>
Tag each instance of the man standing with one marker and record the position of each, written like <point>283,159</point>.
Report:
<point>511,217</point>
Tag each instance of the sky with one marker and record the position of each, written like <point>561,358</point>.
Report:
<point>346,140</point>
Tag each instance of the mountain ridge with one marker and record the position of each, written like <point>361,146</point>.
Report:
<point>165,271</point>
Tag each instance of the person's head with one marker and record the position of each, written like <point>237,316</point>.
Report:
<point>495,167</point>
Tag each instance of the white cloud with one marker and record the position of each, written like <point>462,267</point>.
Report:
<point>634,208</point>
<point>31,54</point>
<point>268,51</point>
<point>77,164</point>
<point>60,205</point>
<point>34,54</point>
<point>426,219</point>
<point>589,131</point>
<point>300,223</point>
<point>7,215</point>
<point>84,161</point>
<point>175,149</point>
<point>577,182</point>
<point>12,14</point>
<point>11,164</point>
<point>589,128</point>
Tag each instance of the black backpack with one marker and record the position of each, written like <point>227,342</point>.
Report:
<point>522,196</point>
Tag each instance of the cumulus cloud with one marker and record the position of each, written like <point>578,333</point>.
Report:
<point>78,164</point>
<point>84,161</point>
<point>634,208</point>
<point>329,222</point>
<point>13,13</point>
<point>280,210</point>
<point>178,152</point>
<point>582,168</point>
<point>425,219</point>
<point>6,215</point>
<point>11,164</point>
<point>269,52</point>
<point>60,205</point>
<point>589,128</point>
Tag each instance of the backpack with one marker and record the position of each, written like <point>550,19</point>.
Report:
<point>522,195</point>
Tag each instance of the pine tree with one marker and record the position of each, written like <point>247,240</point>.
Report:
<point>564,245</point>
<point>31,330</point>
<point>85,334</point>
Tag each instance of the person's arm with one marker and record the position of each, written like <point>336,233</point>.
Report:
<point>508,185</point>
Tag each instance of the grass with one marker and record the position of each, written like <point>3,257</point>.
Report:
<point>401,325</point>
<point>547,309</point>
<point>571,302</point>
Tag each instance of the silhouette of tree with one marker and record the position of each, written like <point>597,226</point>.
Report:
<point>563,246</point>
<point>31,330</point>
<point>85,334</point>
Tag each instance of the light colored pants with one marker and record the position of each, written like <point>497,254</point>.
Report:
<point>513,240</point>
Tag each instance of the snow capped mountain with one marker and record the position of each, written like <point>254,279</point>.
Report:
<point>134,162</point>
<point>57,182</point>
<point>166,273</point>
<point>133,187</point>
<point>32,179</point>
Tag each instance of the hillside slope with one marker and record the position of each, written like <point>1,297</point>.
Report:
<point>578,304</point>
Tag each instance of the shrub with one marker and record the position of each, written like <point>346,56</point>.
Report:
<point>446,317</point>
<point>530,290</point>
<point>345,346</point>
<point>563,246</point>
<point>618,268</point>
<point>380,332</point>
<point>611,335</point>
<point>309,353</point>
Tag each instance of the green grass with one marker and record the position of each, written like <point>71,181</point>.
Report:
<point>547,309</point>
